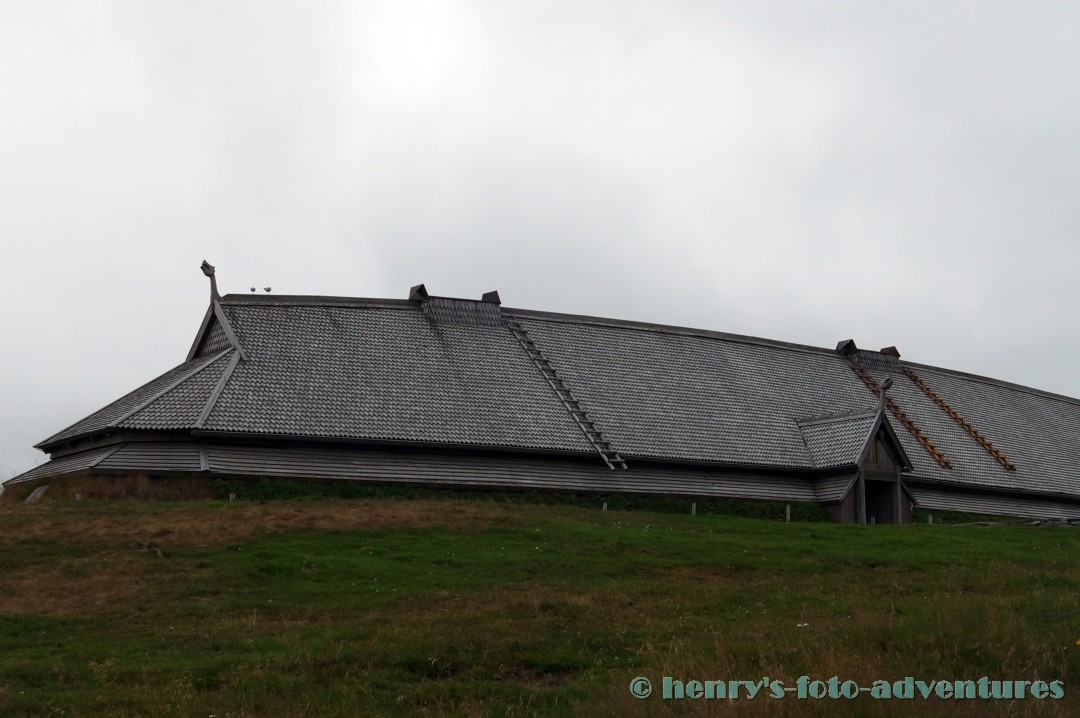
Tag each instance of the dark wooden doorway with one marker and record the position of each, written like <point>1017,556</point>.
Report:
<point>883,496</point>
<point>881,502</point>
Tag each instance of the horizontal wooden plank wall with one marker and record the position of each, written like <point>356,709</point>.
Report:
<point>176,456</point>
<point>499,472</point>
<point>511,473</point>
<point>833,488</point>
<point>993,504</point>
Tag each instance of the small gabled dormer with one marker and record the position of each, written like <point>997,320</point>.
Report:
<point>880,494</point>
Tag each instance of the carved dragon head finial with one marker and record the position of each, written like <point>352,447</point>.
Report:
<point>208,270</point>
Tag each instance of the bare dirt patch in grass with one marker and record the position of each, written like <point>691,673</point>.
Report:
<point>71,587</point>
<point>528,676</point>
<point>128,486</point>
<point>240,521</point>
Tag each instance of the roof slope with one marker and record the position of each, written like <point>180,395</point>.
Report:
<point>181,406</point>
<point>838,441</point>
<point>678,396</point>
<point>138,402</point>
<point>1040,433</point>
<point>387,370</point>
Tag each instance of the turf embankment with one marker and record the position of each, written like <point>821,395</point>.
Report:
<point>383,606</point>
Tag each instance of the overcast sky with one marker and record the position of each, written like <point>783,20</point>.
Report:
<point>900,173</point>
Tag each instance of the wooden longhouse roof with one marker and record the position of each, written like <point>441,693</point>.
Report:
<point>442,372</point>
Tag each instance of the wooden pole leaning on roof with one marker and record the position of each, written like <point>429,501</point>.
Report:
<point>910,425</point>
<point>984,442</point>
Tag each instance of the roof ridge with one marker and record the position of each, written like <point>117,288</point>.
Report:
<point>995,382</point>
<point>318,300</point>
<point>543,315</point>
<point>836,417</point>
<point>235,300</point>
<point>665,329</point>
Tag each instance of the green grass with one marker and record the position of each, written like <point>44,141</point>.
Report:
<point>392,606</point>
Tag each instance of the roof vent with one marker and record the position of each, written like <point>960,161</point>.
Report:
<point>878,361</point>
<point>418,293</point>
<point>846,347</point>
<point>447,310</point>
<point>491,297</point>
<point>891,351</point>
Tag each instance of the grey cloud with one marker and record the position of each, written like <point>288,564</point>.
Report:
<point>903,173</point>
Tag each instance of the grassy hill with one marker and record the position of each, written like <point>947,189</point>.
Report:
<point>384,606</point>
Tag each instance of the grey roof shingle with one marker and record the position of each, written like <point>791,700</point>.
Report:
<point>838,441</point>
<point>1038,432</point>
<point>678,396</point>
<point>386,370</point>
<point>180,407</point>
<point>214,341</point>
<point>972,463</point>
<point>111,415</point>
<point>386,373</point>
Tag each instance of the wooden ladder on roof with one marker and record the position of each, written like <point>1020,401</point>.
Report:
<point>577,413</point>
